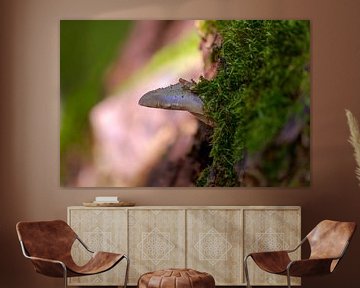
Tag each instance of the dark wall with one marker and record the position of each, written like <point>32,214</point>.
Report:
<point>29,120</point>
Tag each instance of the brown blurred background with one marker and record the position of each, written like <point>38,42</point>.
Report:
<point>29,120</point>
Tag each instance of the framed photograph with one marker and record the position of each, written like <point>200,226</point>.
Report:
<point>185,103</point>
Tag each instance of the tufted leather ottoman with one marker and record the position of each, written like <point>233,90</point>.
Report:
<point>176,278</point>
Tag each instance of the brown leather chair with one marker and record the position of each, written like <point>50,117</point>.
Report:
<point>328,242</point>
<point>48,245</point>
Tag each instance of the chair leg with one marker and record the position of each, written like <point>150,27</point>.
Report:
<point>246,272</point>
<point>288,278</point>
<point>65,276</point>
<point>127,271</point>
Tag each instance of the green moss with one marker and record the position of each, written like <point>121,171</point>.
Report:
<point>262,83</point>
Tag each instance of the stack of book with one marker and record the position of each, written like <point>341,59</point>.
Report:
<point>106,199</point>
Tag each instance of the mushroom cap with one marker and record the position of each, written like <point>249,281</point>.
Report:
<point>173,97</point>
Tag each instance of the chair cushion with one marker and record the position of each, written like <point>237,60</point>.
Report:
<point>176,278</point>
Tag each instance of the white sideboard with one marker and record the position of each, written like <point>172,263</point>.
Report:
<point>211,239</point>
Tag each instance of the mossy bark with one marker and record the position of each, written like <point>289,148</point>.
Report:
<point>257,92</point>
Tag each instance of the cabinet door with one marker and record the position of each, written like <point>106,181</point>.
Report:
<point>270,230</point>
<point>214,244</point>
<point>101,230</point>
<point>156,240</point>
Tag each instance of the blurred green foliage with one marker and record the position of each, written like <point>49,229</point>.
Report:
<point>263,81</point>
<point>87,48</point>
<point>178,55</point>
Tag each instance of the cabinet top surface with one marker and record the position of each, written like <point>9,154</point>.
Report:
<point>193,207</point>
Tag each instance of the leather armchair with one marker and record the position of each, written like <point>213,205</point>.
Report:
<point>328,242</point>
<point>48,245</point>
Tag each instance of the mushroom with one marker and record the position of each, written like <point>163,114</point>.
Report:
<point>177,97</point>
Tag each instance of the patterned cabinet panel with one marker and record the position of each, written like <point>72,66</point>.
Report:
<point>267,230</point>
<point>101,230</point>
<point>214,244</point>
<point>156,240</point>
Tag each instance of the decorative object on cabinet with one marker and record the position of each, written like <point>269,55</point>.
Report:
<point>48,245</point>
<point>109,204</point>
<point>204,238</point>
<point>328,242</point>
<point>108,201</point>
<point>176,278</point>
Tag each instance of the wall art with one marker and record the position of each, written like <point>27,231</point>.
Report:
<point>190,103</point>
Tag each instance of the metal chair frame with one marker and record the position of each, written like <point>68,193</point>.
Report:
<point>288,276</point>
<point>23,249</point>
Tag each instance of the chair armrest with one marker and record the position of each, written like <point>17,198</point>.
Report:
<point>84,245</point>
<point>48,267</point>
<point>309,267</point>
<point>46,260</point>
<point>298,246</point>
<point>280,251</point>
<point>268,253</point>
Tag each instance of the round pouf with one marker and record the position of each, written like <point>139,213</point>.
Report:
<point>176,278</point>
